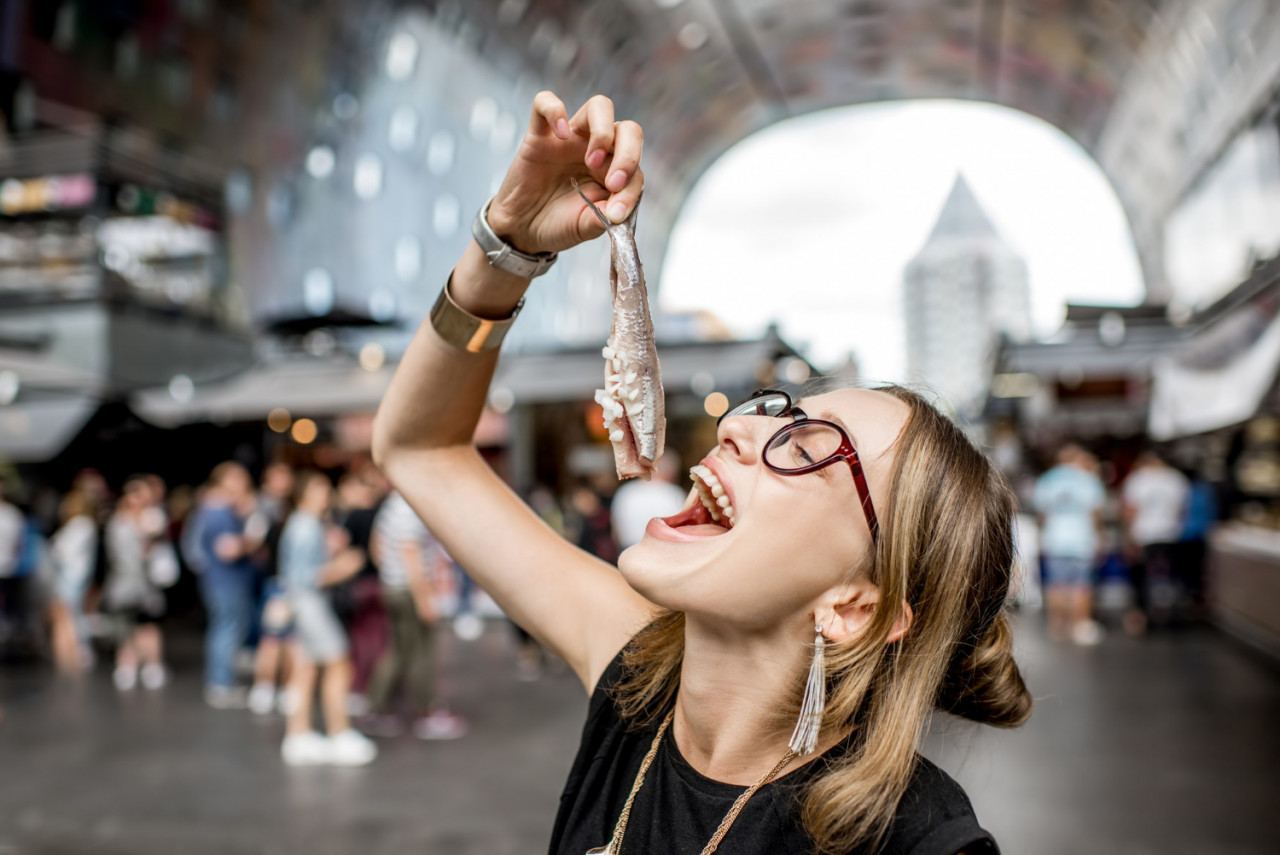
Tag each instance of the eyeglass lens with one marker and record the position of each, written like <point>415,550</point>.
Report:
<point>774,405</point>
<point>803,444</point>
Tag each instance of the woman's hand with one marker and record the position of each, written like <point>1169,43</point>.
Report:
<point>536,209</point>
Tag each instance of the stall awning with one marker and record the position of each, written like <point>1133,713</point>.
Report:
<point>1221,380</point>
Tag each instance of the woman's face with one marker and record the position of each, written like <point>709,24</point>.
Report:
<point>794,537</point>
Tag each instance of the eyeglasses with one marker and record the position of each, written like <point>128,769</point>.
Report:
<point>806,445</point>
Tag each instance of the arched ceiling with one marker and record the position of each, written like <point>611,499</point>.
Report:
<point>1151,88</point>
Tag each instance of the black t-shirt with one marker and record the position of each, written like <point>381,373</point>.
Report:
<point>677,809</point>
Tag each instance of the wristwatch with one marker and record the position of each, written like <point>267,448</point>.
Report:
<point>464,330</point>
<point>503,255</point>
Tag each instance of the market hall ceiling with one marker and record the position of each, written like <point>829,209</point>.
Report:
<point>1150,88</point>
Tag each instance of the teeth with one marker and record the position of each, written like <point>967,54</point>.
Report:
<point>712,494</point>
<point>607,352</point>
<point>615,436</point>
<point>630,378</point>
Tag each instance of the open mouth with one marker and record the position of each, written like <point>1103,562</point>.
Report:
<point>713,514</point>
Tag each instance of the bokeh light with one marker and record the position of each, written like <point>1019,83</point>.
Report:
<point>279,419</point>
<point>372,356</point>
<point>304,431</point>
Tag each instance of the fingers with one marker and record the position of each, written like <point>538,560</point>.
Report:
<point>628,142</point>
<point>549,114</point>
<point>595,120</point>
<point>613,149</point>
<point>622,203</point>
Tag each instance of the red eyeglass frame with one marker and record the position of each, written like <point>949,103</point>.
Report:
<point>845,451</point>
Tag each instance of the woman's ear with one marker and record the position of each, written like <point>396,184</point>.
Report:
<point>850,616</point>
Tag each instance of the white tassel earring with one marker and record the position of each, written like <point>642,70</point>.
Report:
<point>804,739</point>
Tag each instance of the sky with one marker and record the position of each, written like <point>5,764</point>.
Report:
<point>811,222</point>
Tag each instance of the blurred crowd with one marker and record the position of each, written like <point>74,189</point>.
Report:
<point>1119,543</point>
<point>321,595</point>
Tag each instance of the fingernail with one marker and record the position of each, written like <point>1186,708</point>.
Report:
<point>562,129</point>
<point>595,158</point>
<point>617,212</point>
<point>617,180</point>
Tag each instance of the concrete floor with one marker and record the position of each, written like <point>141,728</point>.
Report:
<point>1166,745</point>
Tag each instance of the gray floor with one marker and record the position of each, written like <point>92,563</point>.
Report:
<point>1166,745</point>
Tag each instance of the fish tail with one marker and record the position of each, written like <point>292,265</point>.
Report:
<point>592,205</point>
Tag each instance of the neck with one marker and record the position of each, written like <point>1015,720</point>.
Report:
<point>728,721</point>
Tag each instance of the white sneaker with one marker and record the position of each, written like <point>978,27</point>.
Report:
<point>286,701</point>
<point>224,697</point>
<point>125,677</point>
<point>1087,633</point>
<point>468,626</point>
<point>305,749</point>
<point>154,676</point>
<point>262,698</point>
<point>351,748</point>
<point>440,724</point>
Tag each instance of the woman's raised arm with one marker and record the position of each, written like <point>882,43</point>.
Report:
<point>576,605</point>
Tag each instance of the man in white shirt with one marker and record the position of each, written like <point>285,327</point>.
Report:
<point>1155,506</point>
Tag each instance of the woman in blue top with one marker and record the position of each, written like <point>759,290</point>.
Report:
<point>312,556</point>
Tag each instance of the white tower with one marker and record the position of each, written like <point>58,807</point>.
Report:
<point>963,290</point>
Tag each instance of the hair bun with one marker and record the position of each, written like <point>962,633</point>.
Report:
<point>985,685</point>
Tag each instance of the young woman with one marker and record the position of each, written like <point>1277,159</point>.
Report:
<point>73,548</point>
<point>312,556</point>
<point>870,548</point>
<point>129,591</point>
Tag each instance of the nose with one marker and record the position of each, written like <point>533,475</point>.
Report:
<point>742,438</point>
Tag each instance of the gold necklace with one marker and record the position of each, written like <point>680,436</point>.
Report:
<point>614,846</point>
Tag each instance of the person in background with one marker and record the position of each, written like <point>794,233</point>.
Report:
<point>311,558</point>
<point>1069,499</point>
<point>229,535</point>
<point>637,502</point>
<point>1155,504</point>
<point>591,523</point>
<point>74,549</point>
<point>275,495</point>
<point>1201,516</point>
<point>274,619</point>
<point>129,592</point>
<point>409,560</point>
<point>530,657</point>
<point>358,600</point>
<point>162,557</point>
<point>12,529</point>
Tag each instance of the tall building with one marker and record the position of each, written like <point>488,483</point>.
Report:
<point>962,291</point>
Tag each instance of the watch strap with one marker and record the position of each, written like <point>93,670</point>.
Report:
<point>503,255</point>
<point>466,331</point>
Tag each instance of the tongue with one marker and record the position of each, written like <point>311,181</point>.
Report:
<point>695,521</point>
<point>703,530</point>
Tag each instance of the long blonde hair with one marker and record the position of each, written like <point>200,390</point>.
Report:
<point>946,548</point>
